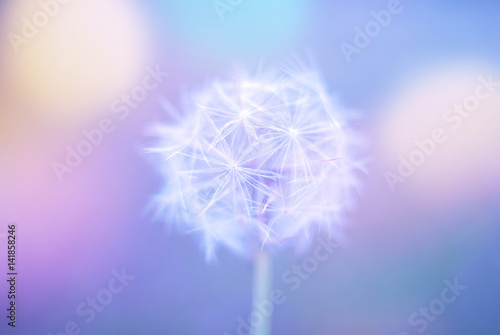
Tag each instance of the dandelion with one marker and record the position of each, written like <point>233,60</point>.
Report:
<point>257,163</point>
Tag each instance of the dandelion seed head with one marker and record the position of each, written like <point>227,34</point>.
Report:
<point>263,161</point>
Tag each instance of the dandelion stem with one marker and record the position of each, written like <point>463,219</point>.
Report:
<point>262,282</point>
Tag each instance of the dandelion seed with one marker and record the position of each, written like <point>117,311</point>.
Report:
<point>257,163</point>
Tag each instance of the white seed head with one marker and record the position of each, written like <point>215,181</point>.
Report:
<point>257,163</point>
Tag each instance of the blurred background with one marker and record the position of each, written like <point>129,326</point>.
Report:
<point>65,67</point>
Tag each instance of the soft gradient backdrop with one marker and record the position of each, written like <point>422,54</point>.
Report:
<point>442,223</point>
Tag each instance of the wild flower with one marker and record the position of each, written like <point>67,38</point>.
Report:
<point>260,162</point>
